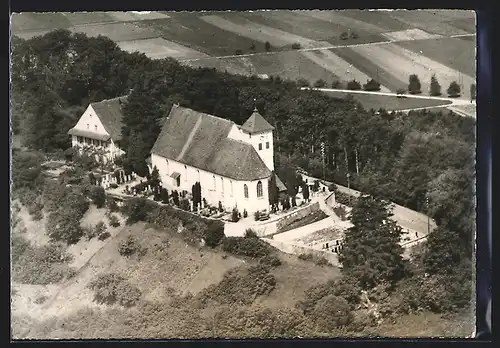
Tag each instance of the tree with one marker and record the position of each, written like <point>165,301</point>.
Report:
<point>353,85</point>
<point>301,82</point>
<point>98,196</point>
<point>354,35</point>
<point>344,35</point>
<point>296,46</point>
<point>371,252</point>
<point>371,85</point>
<point>435,88</point>
<point>305,191</point>
<point>473,91</point>
<point>26,170</point>
<point>414,86</point>
<point>164,196</point>
<point>273,191</point>
<point>267,46</point>
<point>155,180</point>
<point>331,312</point>
<point>454,90</point>
<point>320,83</point>
<point>252,47</point>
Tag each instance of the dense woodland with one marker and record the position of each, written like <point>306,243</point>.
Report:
<point>396,157</point>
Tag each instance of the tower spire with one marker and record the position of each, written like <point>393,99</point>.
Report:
<point>255,105</point>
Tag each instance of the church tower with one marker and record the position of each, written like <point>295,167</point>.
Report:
<point>260,135</point>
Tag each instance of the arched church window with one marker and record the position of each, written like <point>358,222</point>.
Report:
<point>260,192</point>
<point>245,189</point>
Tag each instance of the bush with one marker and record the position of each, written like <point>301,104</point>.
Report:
<point>111,204</point>
<point>245,213</point>
<point>251,247</point>
<point>340,212</point>
<point>98,196</point>
<point>103,236</point>
<point>344,36</point>
<point>353,85</point>
<point>454,90</point>
<point>414,86</point>
<point>164,196</point>
<point>322,262</point>
<point>249,233</point>
<point>256,215</point>
<point>238,52</point>
<point>137,209</point>
<point>296,46</point>
<point>267,46</point>
<point>319,84</point>
<point>331,312</point>
<point>354,35</point>
<point>130,246</point>
<point>221,209</point>
<point>112,288</point>
<point>184,204</point>
<point>235,215</point>
<point>371,85</point>
<point>113,185</point>
<point>270,261</point>
<point>214,234</point>
<point>113,221</point>
<point>306,257</point>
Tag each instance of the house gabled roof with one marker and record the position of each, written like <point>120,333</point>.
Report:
<point>110,113</point>
<point>201,140</point>
<point>256,123</point>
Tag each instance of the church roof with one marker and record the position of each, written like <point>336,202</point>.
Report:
<point>256,123</point>
<point>110,113</point>
<point>201,140</point>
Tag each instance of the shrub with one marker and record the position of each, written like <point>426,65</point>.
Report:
<point>221,209</point>
<point>322,262</point>
<point>41,299</point>
<point>354,35</point>
<point>111,204</point>
<point>256,215</point>
<point>454,90</point>
<point>270,261</point>
<point>353,85</point>
<point>164,196</point>
<point>245,213</point>
<point>249,233</point>
<point>113,221</point>
<point>344,36</point>
<point>235,215</point>
<point>113,185</point>
<point>98,196</point>
<point>301,82</point>
<point>414,86</point>
<point>267,46</point>
<point>112,288</point>
<point>136,209</point>
<point>240,286</point>
<point>331,312</point>
<point>319,83</point>
<point>306,257</point>
<point>371,85</point>
<point>336,84</point>
<point>214,234</point>
<point>251,247</point>
<point>296,46</point>
<point>103,236</point>
<point>129,246</point>
<point>238,52</point>
<point>340,212</point>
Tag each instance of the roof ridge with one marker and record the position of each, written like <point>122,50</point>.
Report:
<point>110,99</point>
<point>204,114</point>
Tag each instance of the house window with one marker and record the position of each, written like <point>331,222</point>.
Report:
<point>260,146</point>
<point>79,139</point>
<point>267,144</point>
<point>95,127</point>
<point>260,192</point>
<point>245,189</point>
<point>185,173</point>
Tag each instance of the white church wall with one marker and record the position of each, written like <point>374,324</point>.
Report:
<point>214,188</point>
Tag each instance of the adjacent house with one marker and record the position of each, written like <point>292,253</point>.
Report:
<point>100,127</point>
<point>232,163</point>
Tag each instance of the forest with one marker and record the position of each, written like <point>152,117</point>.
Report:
<point>409,159</point>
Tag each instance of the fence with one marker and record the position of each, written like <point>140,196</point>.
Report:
<point>294,249</point>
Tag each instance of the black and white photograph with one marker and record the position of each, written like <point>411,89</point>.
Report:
<point>243,174</point>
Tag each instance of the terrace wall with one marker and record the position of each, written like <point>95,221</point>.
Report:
<point>297,215</point>
<point>294,249</point>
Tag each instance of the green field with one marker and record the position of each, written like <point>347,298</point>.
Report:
<point>377,102</point>
<point>452,52</point>
<point>365,65</point>
<point>38,21</point>
<point>304,25</point>
<point>189,30</point>
<point>381,19</point>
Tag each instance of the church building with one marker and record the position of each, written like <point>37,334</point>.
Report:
<point>232,163</point>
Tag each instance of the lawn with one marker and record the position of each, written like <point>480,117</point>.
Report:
<point>452,52</point>
<point>376,102</point>
<point>189,30</point>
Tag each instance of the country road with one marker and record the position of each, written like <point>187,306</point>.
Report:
<point>315,48</point>
<point>454,101</point>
